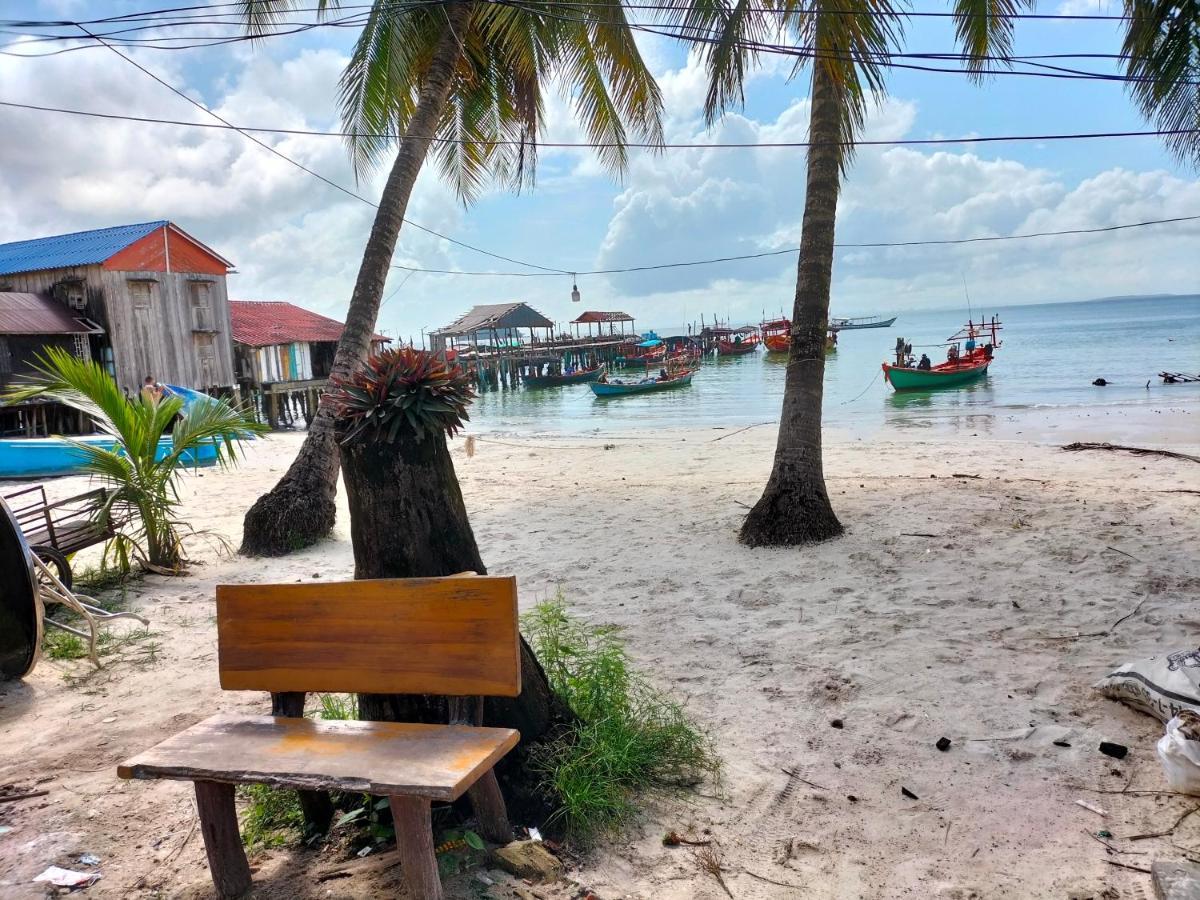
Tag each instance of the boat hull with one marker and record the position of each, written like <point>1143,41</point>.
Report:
<point>933,379</point>
<point>857,326</point>
<point>545,381</point>
<point>778,343</point>
<point>608,389</point>
<point>51,457</point>
<point>727,348</point>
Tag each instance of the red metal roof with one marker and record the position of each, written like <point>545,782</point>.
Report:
<point>39,314</point>
<point>595,316</point>
<point>262,323</point>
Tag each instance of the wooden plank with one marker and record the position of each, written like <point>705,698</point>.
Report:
<point>448,636</point>
<point>395,758</point>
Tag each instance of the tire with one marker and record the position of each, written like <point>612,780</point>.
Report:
<point>56,562</point>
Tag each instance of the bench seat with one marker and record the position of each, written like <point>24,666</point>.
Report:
<point>438,762</point>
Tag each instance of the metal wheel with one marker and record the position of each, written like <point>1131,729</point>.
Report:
<point>57,562</point>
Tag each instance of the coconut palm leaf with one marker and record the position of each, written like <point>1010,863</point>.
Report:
<point>141,467</point>
<point>1162,55</point>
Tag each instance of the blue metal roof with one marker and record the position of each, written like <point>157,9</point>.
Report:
<point>82,248</point>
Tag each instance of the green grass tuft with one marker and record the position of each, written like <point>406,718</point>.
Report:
<point>272,818</point>
<point>631,738</point>
<point>63,645</point>
<point>339,706</point>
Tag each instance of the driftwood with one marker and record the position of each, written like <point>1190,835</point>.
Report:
<point>1136,451</point>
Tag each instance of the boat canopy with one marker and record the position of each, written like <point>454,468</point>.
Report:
<point>653,342</point>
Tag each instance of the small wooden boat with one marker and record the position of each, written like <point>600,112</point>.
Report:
<point>777,337</point>
<point>619,388</point>
<point>578,377</point>
<point>741,342</point>
<point>959,369</point>
<point>862,322</point>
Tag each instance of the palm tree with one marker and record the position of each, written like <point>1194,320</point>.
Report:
<point>463,79</point>
<point>848,42</point>
<point>139,465</point>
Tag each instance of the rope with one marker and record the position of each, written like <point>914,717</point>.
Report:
<point>864,390</point>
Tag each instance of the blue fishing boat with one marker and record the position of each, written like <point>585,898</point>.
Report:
<point>53,456</point>
<point>621,388</point>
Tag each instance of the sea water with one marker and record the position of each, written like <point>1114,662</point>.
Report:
<point>1050,355</point>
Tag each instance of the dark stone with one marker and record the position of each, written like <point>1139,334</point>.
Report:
<point>1116,751</point>
<point>837,723</point>
<point>943,744</point>
<point>909,794</point>
<point>1062,743</point>
<point>1100,382</point>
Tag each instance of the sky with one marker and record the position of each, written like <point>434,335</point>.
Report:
<point>294,238</point>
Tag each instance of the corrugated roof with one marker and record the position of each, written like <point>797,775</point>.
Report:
<point>83,248</point>
<point>497,315</point>
<point>39,314</point>
<point>596,316</point>
<point>262,323</point>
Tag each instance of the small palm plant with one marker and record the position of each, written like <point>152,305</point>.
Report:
<point>139,465</point>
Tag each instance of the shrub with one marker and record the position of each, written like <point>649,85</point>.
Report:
<point>631,738</point>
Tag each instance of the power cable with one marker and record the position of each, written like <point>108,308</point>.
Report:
<point>304,168</point>
<point>840,245</point>
<point>735,145</point>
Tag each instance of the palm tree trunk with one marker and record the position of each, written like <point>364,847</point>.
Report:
<point>300,509</point>
<point>795,508</point>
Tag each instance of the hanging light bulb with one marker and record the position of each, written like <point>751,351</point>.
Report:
<point>574,289</point>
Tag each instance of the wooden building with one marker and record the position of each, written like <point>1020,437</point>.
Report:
<point>30,323</point>
<point>283,355</point>
<point>157,295</point>
<point>494,326</point>
<point>615,321</point>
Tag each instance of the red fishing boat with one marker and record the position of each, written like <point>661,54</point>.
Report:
<point>777,335</point>
<point>740,341</point>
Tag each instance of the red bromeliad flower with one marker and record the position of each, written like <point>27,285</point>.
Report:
<point>402,388</point>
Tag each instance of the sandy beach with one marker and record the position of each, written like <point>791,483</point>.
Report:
<point>982,586</point>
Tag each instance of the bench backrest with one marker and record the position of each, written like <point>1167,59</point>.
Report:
<point>452,636</point>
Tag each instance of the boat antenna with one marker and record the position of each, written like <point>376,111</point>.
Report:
<point>970,315</point>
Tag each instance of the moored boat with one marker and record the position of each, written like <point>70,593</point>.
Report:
<point>53,456</point>
<point>853,324</point>
<point>961,366</point>
<point>740,342</point>
<point>579,376</point>
<point>620,388</point>
<point>777,337</point>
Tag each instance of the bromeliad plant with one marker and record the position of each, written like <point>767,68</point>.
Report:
<point>151,444</point>
<point>401,389</point>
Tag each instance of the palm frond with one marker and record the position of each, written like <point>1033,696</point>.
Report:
<point>984,28</point>
<point>262,17</point>
<point>1162,57</point>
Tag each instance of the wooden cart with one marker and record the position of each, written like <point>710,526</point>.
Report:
<point>56,530</point>
<point>27,585</point>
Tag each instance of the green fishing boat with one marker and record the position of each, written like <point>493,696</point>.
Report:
<point>961,366</point>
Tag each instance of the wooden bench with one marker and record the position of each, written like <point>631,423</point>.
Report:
<point>449,636</point>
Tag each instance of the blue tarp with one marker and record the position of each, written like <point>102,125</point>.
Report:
<point>651,343</point>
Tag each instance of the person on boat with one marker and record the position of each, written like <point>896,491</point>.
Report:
<point>924,365</point>
<point>662,374</point>
<point>970,341</point>
<point>952,353</point>
<point>987,351</point>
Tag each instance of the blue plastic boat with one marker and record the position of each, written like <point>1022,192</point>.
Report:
<point>48,457</point>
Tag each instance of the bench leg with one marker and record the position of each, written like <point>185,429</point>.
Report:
<point>414,841</point>
<point>222,842</point>
<point>489,809</point>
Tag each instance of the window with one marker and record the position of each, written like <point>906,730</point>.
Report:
<point>201,302</point>
<point>140,293</point>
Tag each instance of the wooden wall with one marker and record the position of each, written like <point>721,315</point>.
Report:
<point>151,322</point>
